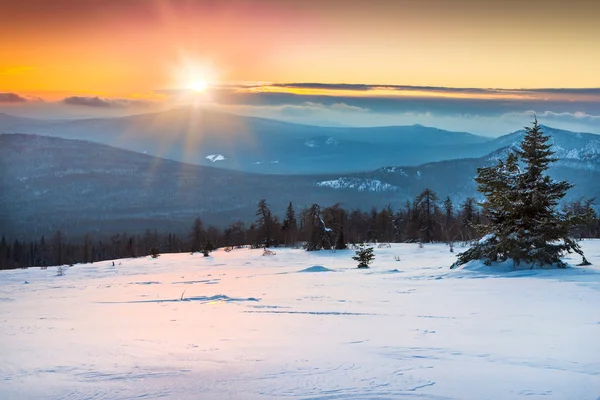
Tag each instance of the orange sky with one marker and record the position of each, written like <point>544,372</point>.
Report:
<point>129,48</point>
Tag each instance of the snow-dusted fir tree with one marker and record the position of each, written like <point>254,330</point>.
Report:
<point>364,256</point>
<point>521,205</point>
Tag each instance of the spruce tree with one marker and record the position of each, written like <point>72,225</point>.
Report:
<point>521,205</point>
<point>448,222</point>
<point>364,256</point>
<point>264,224</point>
<point>448,210</point>
<point>197,235</point>
<point>290,224</point>
<point>468,217</point>
<point>425,210</point>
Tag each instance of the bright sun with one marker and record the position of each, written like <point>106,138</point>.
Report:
<point>198,86</point>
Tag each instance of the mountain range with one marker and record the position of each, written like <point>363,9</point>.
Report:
<point>49,183</point>
<point>211,138</point>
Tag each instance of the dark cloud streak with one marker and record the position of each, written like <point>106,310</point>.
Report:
<point>98,102</point>
<point>12,98</point>
<point>398,104</point>
<point>434,89</point>
<point>86,101</point>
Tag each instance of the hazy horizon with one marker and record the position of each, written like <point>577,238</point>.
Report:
<point>480,67</point>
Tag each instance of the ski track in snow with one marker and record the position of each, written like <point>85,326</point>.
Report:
<point>301,325</point>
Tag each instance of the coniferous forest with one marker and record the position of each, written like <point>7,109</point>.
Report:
<point>521,216</point>
<point>428,218</point>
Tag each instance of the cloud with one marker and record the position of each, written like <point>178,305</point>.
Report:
<point>324,86</point>
<point>572,91</point>
<point>405,99</point>
<point>86,101</point>
<point>343,107</point>
<point>578,116</point>
<point>482,124</point>
<point>309,108</point>
<point>577,121</point>
<point>99,102</point>
<point>404,104</point>
<point>12,98</point>
<point>431,90</point>
<point>368,87</point>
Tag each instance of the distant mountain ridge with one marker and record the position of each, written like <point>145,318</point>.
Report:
<point>204,137</point>
<point>258,144</point>
<point>49,183</point>
<point>455,178</point>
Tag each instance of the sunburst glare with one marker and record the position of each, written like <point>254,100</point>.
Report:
<point>198,85</point>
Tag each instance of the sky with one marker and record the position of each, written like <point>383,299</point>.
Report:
<point>462,63</point>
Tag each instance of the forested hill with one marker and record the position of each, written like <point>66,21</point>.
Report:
<point>49,183</point>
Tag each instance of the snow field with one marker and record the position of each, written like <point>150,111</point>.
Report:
<point>301,325</point>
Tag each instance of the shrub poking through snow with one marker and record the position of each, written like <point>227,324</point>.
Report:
<point>60,271</point>
<point>267,252</point>
<point>364,256</point>
<point>154,253</point>
<point>208,247</point>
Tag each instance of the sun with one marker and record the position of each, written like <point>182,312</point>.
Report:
<point>198,86</point>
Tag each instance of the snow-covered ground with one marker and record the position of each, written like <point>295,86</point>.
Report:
<point>300,325</point>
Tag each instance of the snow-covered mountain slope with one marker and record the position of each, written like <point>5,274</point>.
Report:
<point>578,162</point>
<point>566,144</point>
<point>361,185</point>
<point>300,325</point>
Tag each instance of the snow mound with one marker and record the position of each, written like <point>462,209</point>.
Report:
<point>393,271</point>
<point>316,268</point>
<point>504,267</point>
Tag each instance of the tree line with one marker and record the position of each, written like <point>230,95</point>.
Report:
<point>425,219</point>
